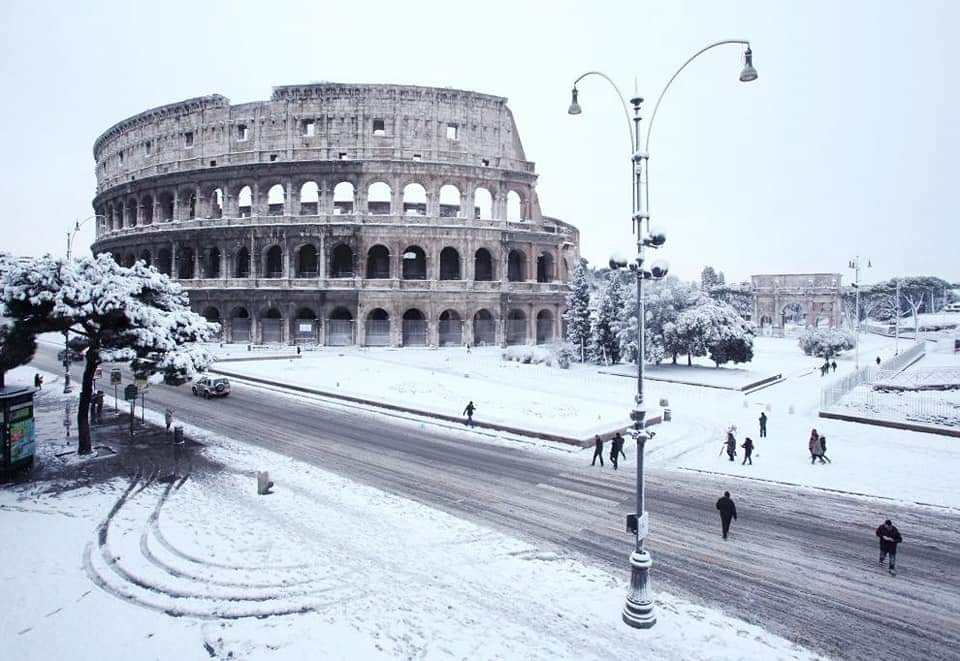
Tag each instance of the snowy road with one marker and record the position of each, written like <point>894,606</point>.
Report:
<point>802,564</point>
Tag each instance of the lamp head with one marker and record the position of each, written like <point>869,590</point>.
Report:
<point>748,74</point>
<point>656,237</point>
<point>574,108</point>
<point>617,261</point>
<point>659,269</point>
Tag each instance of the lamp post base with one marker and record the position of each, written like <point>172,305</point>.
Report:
<point>638,611</point>
<point>66,384</point>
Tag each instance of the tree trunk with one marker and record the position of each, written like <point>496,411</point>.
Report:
<point>2,375</point>
<point>689,360</point>
<point>91,361</point>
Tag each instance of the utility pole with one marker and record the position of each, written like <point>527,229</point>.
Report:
<point>896,307</point>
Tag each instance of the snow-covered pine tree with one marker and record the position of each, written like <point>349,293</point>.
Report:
<point>605,345</point>
<point>577,314</point>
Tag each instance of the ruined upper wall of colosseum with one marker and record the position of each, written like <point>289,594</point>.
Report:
<point>322,121</point>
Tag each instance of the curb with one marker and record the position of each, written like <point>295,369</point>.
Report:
<point>557,438</point>
<point>892,424</point>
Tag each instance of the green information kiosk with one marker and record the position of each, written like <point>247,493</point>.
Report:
<point>16,428</point>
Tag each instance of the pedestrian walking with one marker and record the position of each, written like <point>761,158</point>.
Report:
<point>763,425</point>
<point>747,451</point>
<point>468,411</point>
<point>38,381</point>
<point>833,365</point>
<point>814,446</point>
<point>597,450</point>
<point>168,418</point>
<point>731,445</point>
<point>823,449</point>
<point>728,511</point>
<point>620,441</point>
<point>889,538</point>
<point>99,399</point>
<point>616,450</point>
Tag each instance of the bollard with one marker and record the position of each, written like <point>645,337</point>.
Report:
<point>667,416</point>
<point>664,401</point>
<point>768,407</point>
<point>263,483</point>
<point>790,410</point>
<point>178,435</point>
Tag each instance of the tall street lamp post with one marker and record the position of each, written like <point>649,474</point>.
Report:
<point>855,265</point>
<point>638,611</point>
<point>71,234</point>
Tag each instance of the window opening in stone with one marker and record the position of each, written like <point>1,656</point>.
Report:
<point>188,139</point>
<point>414,263</point>
<point>483,266</point>
<point>379,129</point>
<point>309,128</point>
<point>513,206</point>
<point>274,262</point>
<point>449,264</point>
<point>452,131</point>
<point>242,132</point>
<point>245,202</point>
<point>309,199</point>
<point>343,194</point>
<point>378,263</point>
<point>483,204</point>
<point>417,158</point>
<point>414,200</point>
<point>449,201</point>
<point>343,156</point>
<point>341,266</point>
<point>485,162</point>
<point>378,199</point>
<point>276,198</point>
<point>147,147</point>
<point>273,157</point>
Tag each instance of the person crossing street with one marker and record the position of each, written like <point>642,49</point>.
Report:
<point>728,512</point>
<point>889,538</point>
<point>597,451</point>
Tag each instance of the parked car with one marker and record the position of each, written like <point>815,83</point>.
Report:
<point>75,356</point>
<point>208,386</point>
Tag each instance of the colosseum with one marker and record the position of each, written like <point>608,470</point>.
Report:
<point>337,214</point>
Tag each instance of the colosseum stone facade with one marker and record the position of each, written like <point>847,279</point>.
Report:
<point>380,215</point>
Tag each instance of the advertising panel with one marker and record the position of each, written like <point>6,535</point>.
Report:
<point>21,432</point>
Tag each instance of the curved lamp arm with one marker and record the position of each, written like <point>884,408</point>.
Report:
<point>653,116</point>
<point>76,228</point>
<point>623,101</point>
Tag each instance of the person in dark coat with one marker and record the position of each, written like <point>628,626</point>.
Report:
<point>597,451</point>
<point>616,450</point>
<point>728,511</point>
<point>747,451</point>
<point>814,446</point>
<point>731,445</point>
<point>468,411</point>
<point>38,381</point>
<point>833,366</point>
<point>823,449</point>
<point>763,425</point>
<point>889,538</point>
<point>878,361</point>
<point>99,398</point>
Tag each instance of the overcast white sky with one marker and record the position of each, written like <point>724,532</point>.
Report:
<point>845,145</point>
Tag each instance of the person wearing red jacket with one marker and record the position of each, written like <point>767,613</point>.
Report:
<point>889,538</point>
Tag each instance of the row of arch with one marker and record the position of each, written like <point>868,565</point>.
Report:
<point>379,264</point>
<point>245,200</point>
<point>376,328</point>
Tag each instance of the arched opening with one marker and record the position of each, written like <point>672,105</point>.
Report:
<point>240,325</point>
<point>793,316</point>
<point>146,258</point>
<point>129,260</point>
<point>309,199</point>
<point>185,264</point>
<point>449,264</point>
<point>341,264</point>
<point>516,327</point>
<point>306,327</point>
<point>343,198</point>
<point>483,266</point>
<point>378,262</point>
<point>545,267</point>
<point>213,262</point>
<point>271,327</point>
<point>190,201</point>
<point>166,207</point>
<point>378,328</point>
<point>414,200</point>
<point>146,210</point>
<point>414,328</point>
<point>276,200</point>
<point>544,327</point>
<point>216,203</point>
<point>517,266</point>
<point>242,267</point>
<point>449,201</point>
<point>132,213</point>
<point>212,314</point>
<point>378,199</point>
<point>484,329</point>
<point>414,263</point>
<point>340,328</point>
<point>273,263</point>
<point>245,202</point>
<point>482,204</point>
<point>514,208</point>
<point>307,262</point>
<point>164,262</point>
<point>450,331</point>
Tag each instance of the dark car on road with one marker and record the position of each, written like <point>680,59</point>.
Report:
<point>208,386</point>
<point>75,356</point>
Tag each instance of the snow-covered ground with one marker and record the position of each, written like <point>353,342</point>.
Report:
<point>323,568</point>
<point>866,460</point>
